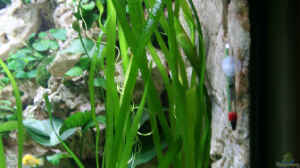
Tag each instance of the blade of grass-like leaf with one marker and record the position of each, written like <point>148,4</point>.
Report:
<point>207,108</point>
<point>20,128</point>
<point>205,141</point>
<point>138,56</point>
<point>188,16</point>
<point>8,126</point>
<point>133,130</point>
<point>176,8</point>
<point>162,45</point>
<point>2,154</point>
<point>49,109</point>
<point>201,46</point>
<point>123,49</point>
<point>203,123</point>
<point>112,99</point>
<point>155,136</point>
<point>100,8</point>
<point>182,72</point>
<point>144,38</point>
<point>130,36</point>
<point>187,46</point>
<point>91,77</point>
<point>192,108</point>
<point>166,81</point>
<point>159,64</point>
<point>155,106</point>
<point>172,42</point>
<point>182,128</point>
<point>174,149</point>
<point>92,95</point>
<point>79,31</point>
<point>136,14</point>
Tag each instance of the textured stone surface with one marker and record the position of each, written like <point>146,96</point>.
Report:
<point>27,87</point>
<point>227,22</point>
<point>65,100</point>
<point>23,21</point>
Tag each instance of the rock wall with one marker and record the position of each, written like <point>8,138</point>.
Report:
<point>227,21</point>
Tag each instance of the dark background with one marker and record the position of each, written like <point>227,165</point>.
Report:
<point>274,81</point>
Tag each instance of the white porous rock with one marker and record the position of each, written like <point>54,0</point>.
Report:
<point>62,63</point>
<point>37,109</point>
<point>17,23</point>
<point>63,18</point>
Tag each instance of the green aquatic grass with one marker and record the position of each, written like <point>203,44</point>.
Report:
<point>20,127</point>
<point>187,120</point>
<point>2,154</point>
<point>92,94</point>
<point>178,90</point>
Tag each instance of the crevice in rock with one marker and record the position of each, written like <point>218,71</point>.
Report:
<point>225,18</point>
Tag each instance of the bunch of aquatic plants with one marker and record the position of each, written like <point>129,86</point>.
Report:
<point>180,134</point>
<point>186,127</point>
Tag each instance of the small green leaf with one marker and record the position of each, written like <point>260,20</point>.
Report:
<point>8,126</point>
<point>11,117</point>
<point>32,74</point>
<point>78,119</point>
<point>42,35</point>
<point>41,131</point>
<point>42,45</point>
<point>5,80</point>
<point>89,6</point>
<point>76,47</point>
<point>5,108</point>
<point>21,53</point>
<point>29,59</point>
<point>59,34</point>
<point>21,75</point>
<point>75,71</point>
<point>5,102</point>
<point>55,158</point>
<point>16,65</point>
<point>53,45</point>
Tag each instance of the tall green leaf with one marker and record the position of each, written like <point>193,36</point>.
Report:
<point>2,154</point>
<point>20,129</point>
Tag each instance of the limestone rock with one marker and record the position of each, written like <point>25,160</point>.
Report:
<point>65,100</point>
<point>23,21</point>
<point>62,63</point>
<point>28,88</point>
<point>63,18</point>
<point>223,23</point>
